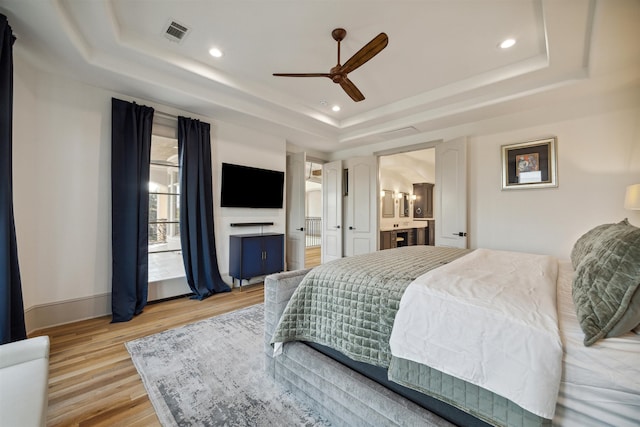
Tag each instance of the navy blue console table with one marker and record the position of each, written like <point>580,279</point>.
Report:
<point>253,255</point>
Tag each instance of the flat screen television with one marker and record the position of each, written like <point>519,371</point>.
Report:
<point>249,187</point>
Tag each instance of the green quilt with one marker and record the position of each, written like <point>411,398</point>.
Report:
<point>350,304</point>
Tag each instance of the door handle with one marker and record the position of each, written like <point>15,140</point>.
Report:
<point>338,227</point>
<point>460,234</point>
<point>300,229</point>
<point>351,228</point>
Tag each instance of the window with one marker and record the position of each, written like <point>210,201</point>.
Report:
<point>165,256</point>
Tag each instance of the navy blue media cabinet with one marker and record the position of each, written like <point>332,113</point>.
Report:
<point>253,255</point>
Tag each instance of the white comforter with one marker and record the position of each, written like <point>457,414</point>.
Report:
<point>489,318</point>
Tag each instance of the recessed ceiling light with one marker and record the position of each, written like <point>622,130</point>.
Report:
<point>336,108</point>
<point>506,44</point>
<point>215,52</point>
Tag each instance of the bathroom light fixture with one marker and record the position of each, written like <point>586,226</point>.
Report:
<point>336,108</point>
<point>632,197</point>
<point>215,52</point>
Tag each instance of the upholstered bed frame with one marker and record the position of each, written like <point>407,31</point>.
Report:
<point>339,393</point>
<point>599,376</point>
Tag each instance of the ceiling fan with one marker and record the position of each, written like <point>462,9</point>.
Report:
<point>339,73</point>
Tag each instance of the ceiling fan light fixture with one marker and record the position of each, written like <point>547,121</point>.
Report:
<point>215,52</point>
<point>507,43</point>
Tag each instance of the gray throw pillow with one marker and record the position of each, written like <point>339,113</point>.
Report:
<point>607,281</point>
<point>584,245</point>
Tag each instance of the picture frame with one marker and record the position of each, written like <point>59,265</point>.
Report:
<point>531,164</point>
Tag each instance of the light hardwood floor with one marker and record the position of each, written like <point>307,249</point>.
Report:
<point>312,256</point>
<point>92,381</point>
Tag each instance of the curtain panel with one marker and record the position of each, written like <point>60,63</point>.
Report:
<point>196,209</point>
<point>130,156</point>
<point>12,324</point>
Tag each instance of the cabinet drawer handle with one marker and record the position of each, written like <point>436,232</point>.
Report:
<point>351,228</point>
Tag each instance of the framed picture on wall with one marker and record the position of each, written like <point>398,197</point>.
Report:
<point>529,164</point>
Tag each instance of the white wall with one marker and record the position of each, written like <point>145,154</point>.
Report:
<point>62,190</point>
<point>25,176</point>
<point>62,183</point>
<point>313,202</point>
<point>598,156</point>
<point>234,144</point>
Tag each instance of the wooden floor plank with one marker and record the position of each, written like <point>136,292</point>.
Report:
<point>312,256</point>
<point>92,380</point>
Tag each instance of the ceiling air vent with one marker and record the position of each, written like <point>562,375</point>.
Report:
<point>175,31</point>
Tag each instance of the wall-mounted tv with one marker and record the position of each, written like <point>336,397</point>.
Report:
<point>249,187</point>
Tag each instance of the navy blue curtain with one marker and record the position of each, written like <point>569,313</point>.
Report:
<point>130,155</point>
<point>196,209</point>
<point>12,326</point>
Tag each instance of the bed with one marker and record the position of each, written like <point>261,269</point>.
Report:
<point>342,362</point>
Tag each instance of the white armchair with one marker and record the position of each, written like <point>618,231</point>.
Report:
<point>24,382</point>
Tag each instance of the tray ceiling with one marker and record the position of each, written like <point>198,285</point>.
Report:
<point>442,66</point>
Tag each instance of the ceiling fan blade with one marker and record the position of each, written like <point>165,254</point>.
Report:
<point>369,50</point>
<point>351,90</point>
<point>302,74</point>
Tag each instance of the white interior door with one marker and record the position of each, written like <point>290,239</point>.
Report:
<point>451,193</point>
<point>362,219</point>
<point>295,247</point>
<point>331,211</point>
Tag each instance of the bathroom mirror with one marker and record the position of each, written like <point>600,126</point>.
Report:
<point>387,204</point>
<point>403,209</point>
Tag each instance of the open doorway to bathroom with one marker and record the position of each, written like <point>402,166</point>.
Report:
<point>407,182</point>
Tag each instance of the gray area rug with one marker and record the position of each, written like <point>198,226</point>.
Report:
<point>211,373</point>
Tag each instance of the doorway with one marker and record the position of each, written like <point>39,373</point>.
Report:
<point>406,211</point>
<point>313,214</point>
<point>445,184</point>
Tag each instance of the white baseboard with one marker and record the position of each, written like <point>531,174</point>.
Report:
<point>59,313</point>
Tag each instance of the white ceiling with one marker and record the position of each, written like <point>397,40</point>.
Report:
<point>442,66</point>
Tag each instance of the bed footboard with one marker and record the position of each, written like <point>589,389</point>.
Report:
<point>278,289</point>
<point>340,394</point>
